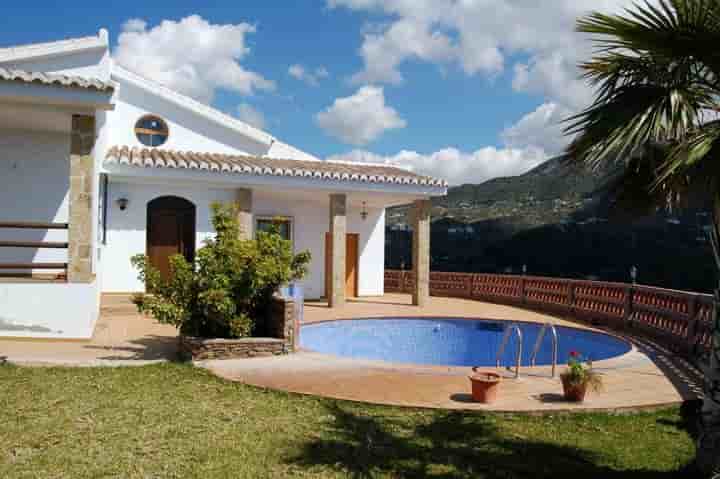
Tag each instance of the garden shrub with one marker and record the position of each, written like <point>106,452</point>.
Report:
<point>226,291</point>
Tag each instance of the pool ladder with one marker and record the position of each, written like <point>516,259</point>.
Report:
<point>538,343</point>
<point>514,328</point>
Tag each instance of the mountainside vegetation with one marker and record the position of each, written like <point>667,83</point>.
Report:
<point>563,222</point>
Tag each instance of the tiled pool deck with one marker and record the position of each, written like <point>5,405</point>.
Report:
<point>648,377</point>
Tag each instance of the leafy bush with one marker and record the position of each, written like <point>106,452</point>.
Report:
<point>226,292</point>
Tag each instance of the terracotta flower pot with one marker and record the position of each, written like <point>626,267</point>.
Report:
<point>485,386</point>
<point>574,392</point>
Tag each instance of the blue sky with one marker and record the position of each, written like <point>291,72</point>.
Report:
<point>465,90</point>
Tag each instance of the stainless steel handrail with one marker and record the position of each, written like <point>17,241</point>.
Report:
<point>538,343</point>
<point>506,339</point>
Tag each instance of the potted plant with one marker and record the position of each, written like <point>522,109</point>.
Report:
<point>485,385</point>
<point>579,377</point>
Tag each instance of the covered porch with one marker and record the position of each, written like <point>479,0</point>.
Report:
<point>48,195</point>
<point>335,211</point>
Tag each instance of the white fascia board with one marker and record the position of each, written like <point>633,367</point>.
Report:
<point>32,93</point>
<point>131,174</point>
<point>39,51</point>
<point>207,112</point>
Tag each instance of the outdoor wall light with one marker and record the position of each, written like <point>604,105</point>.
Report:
<point>122,203</point>
<point>363,212</point>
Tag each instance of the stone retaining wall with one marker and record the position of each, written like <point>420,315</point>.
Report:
<point>282,327</point>
<point>199,349</point>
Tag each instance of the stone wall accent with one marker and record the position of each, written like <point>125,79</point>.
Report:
<point>338,232</point>
<point>199,349</point>
<point>283,327</point>
<point>421,251</point>
<point>282,322</point>
<point>244,214</point>
<point>80,199</point>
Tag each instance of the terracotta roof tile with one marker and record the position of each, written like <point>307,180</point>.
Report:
<point>255,165</point>
<point>54,79</point>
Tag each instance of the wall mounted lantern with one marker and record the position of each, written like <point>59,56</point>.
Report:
<point>363,212</point>
<point>122,203</point>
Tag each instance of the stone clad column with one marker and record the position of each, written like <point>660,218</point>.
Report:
<point>80,200</point>
<point>244,214</point>
<point>338,232</point>
<point>421,251</point>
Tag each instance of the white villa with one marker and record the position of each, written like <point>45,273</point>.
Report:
<point>98,164</point>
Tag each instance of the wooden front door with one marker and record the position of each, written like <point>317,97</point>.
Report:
<point>352,244</point>
<point>170,231</point>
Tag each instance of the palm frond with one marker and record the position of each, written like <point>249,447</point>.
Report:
<point>688,155</point>
<point>674,29</point>
<point>655,77</point>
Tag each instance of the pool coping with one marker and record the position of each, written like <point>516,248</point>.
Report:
<point>648,377</point>
<point>419,367</point>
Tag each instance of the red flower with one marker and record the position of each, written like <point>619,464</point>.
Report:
<point>574,354</point>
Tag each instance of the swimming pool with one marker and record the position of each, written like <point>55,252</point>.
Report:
<point>449,341</point>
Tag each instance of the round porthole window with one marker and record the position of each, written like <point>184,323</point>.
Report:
<point>151,130</point>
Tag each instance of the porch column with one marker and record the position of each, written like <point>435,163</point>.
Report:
<point>244,214</point>
<point>80,200</point>
<point>338,231</point>
<point>421,251</point>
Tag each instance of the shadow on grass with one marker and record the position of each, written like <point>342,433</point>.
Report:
<point>453,445</point>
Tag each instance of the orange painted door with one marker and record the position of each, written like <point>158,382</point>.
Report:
<point>351,264</point>
<point>352,245</point>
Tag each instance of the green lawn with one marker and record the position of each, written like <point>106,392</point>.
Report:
<point>177,421</point>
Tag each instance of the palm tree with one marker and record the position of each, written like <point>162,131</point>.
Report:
<point>656,74</point>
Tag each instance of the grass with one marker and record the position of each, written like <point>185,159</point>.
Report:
<point>174,420</point>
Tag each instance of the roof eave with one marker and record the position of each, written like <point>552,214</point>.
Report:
<point>35,93</point>
<point>212,178</point>
<point>39,51</point>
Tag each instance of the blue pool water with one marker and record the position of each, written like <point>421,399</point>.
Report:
<point>451,342</point>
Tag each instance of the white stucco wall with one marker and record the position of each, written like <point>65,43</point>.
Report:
<point>126,235</point>
<point>126,230</point>
<point>34,183</point>
<point>188,130</point>
<point>48,310</point>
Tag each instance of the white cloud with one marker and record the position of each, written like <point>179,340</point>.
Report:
<point>361,118</point>
<point>456,166</point>
<point>250,115</point>
<point>541,128</point>
<point>554,76</point>
<point>536,39</point>
<point>192,56</point>
<point>384,52</point>
<point>478,35</point>
<point>135,25</point>
<point>311,77</point>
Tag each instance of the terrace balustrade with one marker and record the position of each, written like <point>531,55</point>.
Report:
<point>681,320</point>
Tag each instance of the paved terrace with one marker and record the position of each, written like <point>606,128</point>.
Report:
<point>647,377</point>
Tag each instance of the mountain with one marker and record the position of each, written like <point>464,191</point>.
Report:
<point>558,221</point>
